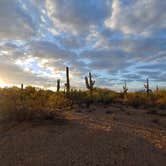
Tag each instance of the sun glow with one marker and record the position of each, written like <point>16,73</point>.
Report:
<point>2,83</point>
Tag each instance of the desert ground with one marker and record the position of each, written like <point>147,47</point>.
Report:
<point>99,136</point>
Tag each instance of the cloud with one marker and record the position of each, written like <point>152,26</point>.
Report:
<point>15,24</point>
<point>14,75</point>
<point>77,16</point>
<point>112,60</point>
<point>116,40</point>
<point>140,18</point>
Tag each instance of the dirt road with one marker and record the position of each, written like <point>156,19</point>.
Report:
<point>97,138</point>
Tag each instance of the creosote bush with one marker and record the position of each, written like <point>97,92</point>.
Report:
<point>31,103</point>
<point>160,99</point>
<point>103,96</point>
<point>137,99</point>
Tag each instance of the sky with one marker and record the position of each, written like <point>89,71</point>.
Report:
<point>115,40</point>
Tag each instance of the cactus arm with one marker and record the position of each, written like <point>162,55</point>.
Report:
<point>87,83</point>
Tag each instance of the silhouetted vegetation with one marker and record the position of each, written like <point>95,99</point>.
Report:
<point>33,103</point>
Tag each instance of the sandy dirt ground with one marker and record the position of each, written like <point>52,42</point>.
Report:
<point>100,136</point>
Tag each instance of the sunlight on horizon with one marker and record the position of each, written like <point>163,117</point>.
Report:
<point>107,38</point>
<point>2,83</point>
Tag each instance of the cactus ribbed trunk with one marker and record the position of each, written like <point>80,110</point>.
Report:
<point>157,88</point>
<point>22,87</point>
<point>125,89</point>
<point>67,81</point>
<point>91,89</point>
<point>22,96</point>
<point>147,86</point>
<point>58,85</point>
<point>90,84</point>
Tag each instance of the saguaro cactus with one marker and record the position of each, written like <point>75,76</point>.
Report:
<point>125,89</point>
<point>58,85</point>
<point>22,96</point>
<point>22,87</point>
<point>157,88</point>
<point>67,85</point>
<point>90,83</point>
<point>147,86</point>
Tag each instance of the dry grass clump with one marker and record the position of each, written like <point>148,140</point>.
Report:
<point>138,99</point>
<point>160,97</point>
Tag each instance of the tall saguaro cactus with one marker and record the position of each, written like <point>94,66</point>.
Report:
<point>157,88</point>
<point>22,96</point>
<point>147,86</point>
<point>67,85</point>
<point>22,87</point>
<point>125,89</point>
<point>58,85</point>
<point>90,83</point>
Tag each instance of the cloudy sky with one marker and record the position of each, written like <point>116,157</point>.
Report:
<point>116,40</point>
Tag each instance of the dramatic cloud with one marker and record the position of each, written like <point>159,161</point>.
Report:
<point>138,17</point>
<point>116,40</point>
<point>77,16</point>
<point>14,22</point>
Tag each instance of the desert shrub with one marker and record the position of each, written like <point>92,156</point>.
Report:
<point>38,103</point>
<point>78,95</point>
<point>30,103</point>
<point>155,99</point>
<point>58,100</point>
<point>99,96</point>
<point>138,99</point>
<point>104,96</point>
<point>160,98</point>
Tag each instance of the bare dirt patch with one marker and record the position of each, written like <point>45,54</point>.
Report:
<point>121,137</point>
